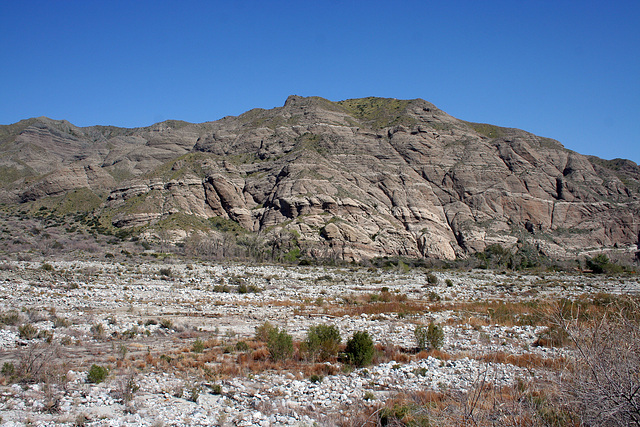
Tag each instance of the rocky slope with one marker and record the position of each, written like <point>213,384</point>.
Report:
<point>349,180</point>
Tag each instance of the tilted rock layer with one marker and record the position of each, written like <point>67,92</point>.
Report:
<point>352,179</point>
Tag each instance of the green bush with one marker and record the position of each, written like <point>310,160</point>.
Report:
<point>315,378</point>
<point>8,369</point>
<point>360,349</point>
<point>198,346</point>
<point>280,344</point>
<point>403,415</point>
<point>420,334</point>
<point>242,346</point>
<point>432,279</point>
<point>97,374</point>
<point>431,336</point>
<point>322,342</point>
<point>433,297</point>
<point>435,336</point>
<point>600,264</point>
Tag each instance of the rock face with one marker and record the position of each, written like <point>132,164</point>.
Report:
<point>352,179</point>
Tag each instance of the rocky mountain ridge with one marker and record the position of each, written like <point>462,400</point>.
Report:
<point>349,180</point>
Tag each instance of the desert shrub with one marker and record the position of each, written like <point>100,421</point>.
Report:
<point>368,395</point>
<point>128,388</point>
<point>435,336</point>
<point>61,322</point>
<point>322,342</point>
<point>10,318</point>
<point>432,279</point>
<point>315,378</point>
<point>360,349</point>
<point>27,331</point>
<point>280,344</point>
<point>264,331</point>
<point>403,414</point>
<point>8,369</point>
<point>47,267</point>
<point>243,288</point>
<point>600,264</point>
<point>194,392</point>
<point>97,331</point>
<point>198,346</point>
<point>97,374</point>
<point>242,346</point>
<point>420,334</point>
<point>431,336</point>
<point>166,323</point>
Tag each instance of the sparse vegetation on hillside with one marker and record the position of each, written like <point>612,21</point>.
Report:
<point>378,112</point>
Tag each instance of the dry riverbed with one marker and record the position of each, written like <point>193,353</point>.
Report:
<point>179,343</point>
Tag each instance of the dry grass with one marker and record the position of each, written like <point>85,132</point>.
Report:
<point>372,308</point>
<point>484,405</point>
<point>438,354</point>
<point>482,313</point>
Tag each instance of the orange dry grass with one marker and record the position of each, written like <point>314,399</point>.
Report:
<point>150,360</point>
<point>378,308</point>
<point>527,360</point>
<point>387,353</point>
<point>319,369</point>
<point>438,354</point>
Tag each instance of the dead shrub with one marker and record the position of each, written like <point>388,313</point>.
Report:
<point>39,363</point>
<point>519,405</point>
<point>604,382</point>
<point>150,360</point>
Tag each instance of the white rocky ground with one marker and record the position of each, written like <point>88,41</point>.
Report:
<point>130,300</point>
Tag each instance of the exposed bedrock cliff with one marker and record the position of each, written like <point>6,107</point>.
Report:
<point>353,179</point>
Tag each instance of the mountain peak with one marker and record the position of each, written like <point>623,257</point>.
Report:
<point>350,179</point>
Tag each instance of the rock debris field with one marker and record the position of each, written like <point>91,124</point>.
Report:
<point>179,345</point>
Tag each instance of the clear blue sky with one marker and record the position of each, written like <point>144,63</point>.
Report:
<point>568,70</point>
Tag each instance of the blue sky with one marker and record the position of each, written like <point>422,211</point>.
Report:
<point>568,70</point>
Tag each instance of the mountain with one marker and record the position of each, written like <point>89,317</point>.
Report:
<point>353,179</point>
